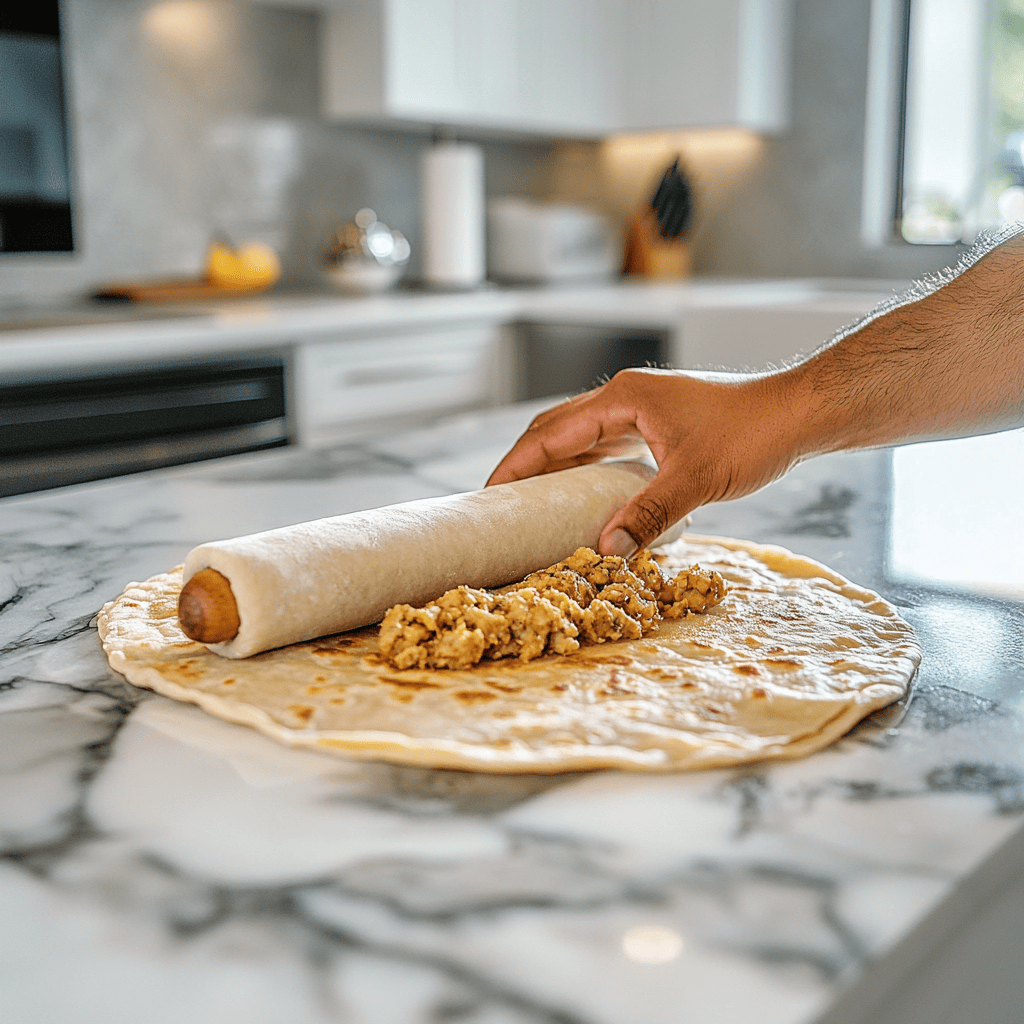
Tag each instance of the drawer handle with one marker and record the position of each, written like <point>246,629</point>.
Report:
<point>373,376</point>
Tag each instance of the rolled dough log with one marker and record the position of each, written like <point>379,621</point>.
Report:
<point>331,575</point>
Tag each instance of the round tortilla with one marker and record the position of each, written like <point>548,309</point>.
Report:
<point>792,659</point>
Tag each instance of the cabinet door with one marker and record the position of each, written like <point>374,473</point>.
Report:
<point>345,387</point>
<point>693,63</point>
<point>453,59</point>
<point>564,67</point>
<point>570,65</point>
<point>522,65</point>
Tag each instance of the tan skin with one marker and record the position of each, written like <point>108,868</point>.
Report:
<point>950,364</point>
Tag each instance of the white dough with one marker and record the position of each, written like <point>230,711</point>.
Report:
<point>336,574</point>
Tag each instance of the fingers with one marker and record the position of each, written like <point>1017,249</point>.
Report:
<point>648,515</point>
<point>713,439</point>
<point>574,433</point>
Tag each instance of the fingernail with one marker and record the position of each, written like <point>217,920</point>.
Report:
<point>620,543</point>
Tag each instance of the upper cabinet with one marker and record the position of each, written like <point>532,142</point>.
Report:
<point>702,63</point>
<point>564,67</point>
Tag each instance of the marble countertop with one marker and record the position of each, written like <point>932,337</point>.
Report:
<point>159,865</point>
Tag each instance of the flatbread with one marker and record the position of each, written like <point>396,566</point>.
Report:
<point>793,658</point>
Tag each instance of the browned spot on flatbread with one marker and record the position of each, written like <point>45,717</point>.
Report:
<point>848,642</point>
<point>228,682</point>
<point>474,696</point>
<point>747,670</point>
<point>164,610</point>
<point>785,662</point>
<point>758,693</point>
<point>616,688</point>
<point>303,712</point>
<point>503,687</point>
<point>589,661</point>
<point>185,669</point>
<point>663,673</point>
<point>342,642</point>
<point>410,684</point>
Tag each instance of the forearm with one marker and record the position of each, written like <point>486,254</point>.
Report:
<point>948,364</point>
<point>942,364</point>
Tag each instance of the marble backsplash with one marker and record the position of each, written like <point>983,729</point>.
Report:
<point>190,117</point>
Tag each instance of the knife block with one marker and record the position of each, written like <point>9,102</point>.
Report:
<point>650,255</point>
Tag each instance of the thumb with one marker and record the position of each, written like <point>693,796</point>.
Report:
<point>648,515</point>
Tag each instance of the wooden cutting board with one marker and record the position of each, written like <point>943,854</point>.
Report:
<point>172,290</point>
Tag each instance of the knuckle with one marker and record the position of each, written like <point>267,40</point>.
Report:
<point>651,516</point>
<point>550,416</point>
<point>626,378</point>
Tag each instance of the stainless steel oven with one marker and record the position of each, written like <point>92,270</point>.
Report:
<point>62,427</point>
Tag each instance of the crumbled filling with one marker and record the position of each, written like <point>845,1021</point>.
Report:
<point>585,599</point>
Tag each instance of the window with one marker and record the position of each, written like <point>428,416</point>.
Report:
<point>962,139</point>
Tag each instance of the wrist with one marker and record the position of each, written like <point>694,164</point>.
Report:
<point>812,417</point>
<point>784,407</point>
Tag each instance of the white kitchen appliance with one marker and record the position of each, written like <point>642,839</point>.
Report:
<point>529,241</point>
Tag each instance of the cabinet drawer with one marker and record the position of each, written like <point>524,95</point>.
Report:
<point>341,383</point>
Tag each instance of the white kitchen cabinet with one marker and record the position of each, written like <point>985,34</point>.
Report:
<point>345,387</point>
<point>523,65</point>
<point>697,63</point>
<point>572,67</point>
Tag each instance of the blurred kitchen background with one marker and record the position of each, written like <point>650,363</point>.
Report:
<point>825,153</point>
<point>190,116</point>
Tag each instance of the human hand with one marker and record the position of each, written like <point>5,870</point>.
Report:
<point>713,436</point>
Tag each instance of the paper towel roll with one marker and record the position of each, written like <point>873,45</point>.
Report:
<point>453,215</point>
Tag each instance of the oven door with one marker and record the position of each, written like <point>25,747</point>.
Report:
<point>108,421</point>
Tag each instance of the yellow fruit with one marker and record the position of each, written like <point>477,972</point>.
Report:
<point>253,265</point>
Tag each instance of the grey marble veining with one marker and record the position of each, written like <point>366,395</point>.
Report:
<point>158,864</point>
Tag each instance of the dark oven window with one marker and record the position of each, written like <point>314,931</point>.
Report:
<point>103,423</point>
